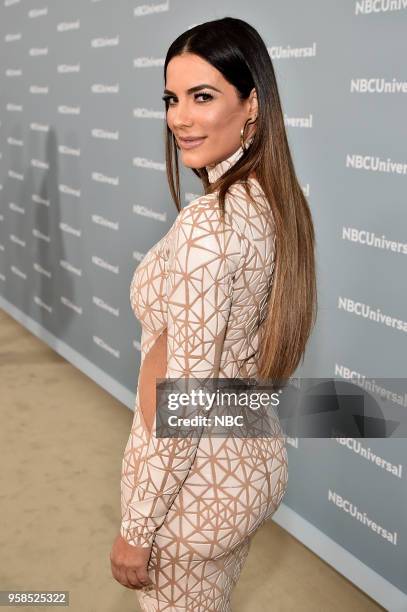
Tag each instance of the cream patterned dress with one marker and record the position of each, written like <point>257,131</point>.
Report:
<point>200,296</point>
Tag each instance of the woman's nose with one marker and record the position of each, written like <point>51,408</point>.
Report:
<point>182,116</point>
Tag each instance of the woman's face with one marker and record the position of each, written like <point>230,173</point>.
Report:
<point>212,111</point>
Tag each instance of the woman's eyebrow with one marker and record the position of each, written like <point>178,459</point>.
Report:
<point>195,88</point>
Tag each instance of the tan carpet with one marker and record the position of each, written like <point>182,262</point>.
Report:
<point>62,439</point>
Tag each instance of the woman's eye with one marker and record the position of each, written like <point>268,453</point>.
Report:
<point>209,97</point>
<point>167,99</point>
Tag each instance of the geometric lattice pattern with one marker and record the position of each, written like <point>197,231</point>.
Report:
<point>200,295</point>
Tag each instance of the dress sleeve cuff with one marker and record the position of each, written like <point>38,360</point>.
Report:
<point>137,536</point>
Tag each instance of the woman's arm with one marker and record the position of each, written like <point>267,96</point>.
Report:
<point>199,287</point>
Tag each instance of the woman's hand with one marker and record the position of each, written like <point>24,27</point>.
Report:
<point>129,564</point>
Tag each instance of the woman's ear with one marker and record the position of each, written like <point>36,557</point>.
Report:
<point>253,104</point>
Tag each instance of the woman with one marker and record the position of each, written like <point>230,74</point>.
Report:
<point>228,292</point>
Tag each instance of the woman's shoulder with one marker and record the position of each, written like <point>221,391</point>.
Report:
<point>200,236</point>
<point>204,212</point>
<point>240,200</point>
<point>247,215</point>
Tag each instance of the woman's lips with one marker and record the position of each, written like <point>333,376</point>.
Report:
<point>191,144</point>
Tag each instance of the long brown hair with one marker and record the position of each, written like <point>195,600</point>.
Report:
<point>236,49</point>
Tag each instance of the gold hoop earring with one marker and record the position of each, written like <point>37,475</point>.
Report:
<point>244,145</point>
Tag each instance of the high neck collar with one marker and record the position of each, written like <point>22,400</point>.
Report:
<point>217,170</point>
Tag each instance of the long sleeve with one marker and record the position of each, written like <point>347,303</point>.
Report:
<point>199,289</point>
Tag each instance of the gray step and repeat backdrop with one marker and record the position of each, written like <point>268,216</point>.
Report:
<point>84,196</point>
